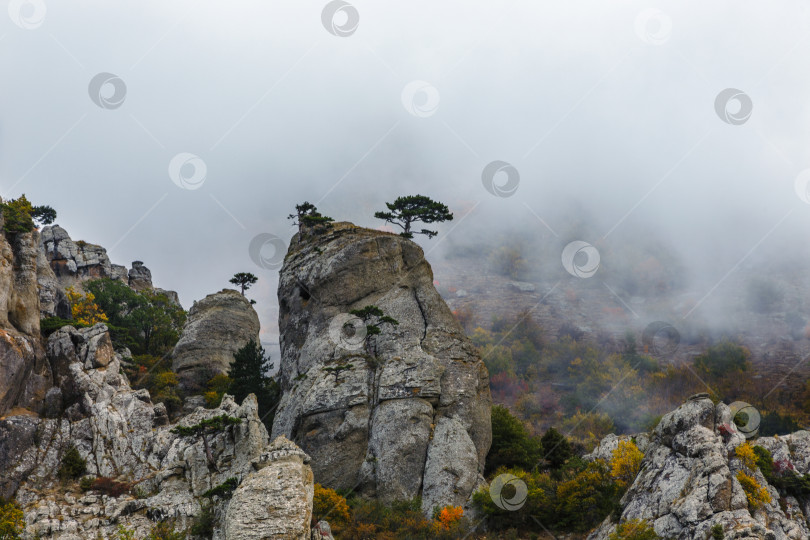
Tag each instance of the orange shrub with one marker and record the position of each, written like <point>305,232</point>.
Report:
<point>450,515</point>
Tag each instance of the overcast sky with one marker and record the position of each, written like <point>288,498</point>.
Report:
<point>611,108</point>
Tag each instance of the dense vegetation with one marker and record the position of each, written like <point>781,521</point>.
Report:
<point>588,388</point>
<point>147,322</point>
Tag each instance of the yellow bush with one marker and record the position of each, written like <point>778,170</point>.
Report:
<point>328,505</point>
<point>745,452</point>
<point>84,308</point>
<point>11,521</point>
<point>626,462</point>
<point>756,494</point>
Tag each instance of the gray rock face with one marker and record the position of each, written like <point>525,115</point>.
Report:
<point>275,501</point>
<point>123,435</point>
<point>25,375</point>
<point>687,483</point>
<point>402,413</point>
<point>73,261</point>
<point>64,263</point>
<point>140,277</point>
<point>217,326</point>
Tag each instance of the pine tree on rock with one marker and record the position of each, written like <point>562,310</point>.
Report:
<point>405,211</point>
<point>244,280</point>
<point>307,217</point>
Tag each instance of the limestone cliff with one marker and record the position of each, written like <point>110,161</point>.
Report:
<point>66,263</point>
<point>124,436</point>
<point>24,372</point>
<point>687,483</point>
<point>217,326</point>
<point>396,414</point>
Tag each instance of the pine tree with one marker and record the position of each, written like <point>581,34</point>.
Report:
<point>249,374</point>
<point>405,211</point>
<point>245,280</point>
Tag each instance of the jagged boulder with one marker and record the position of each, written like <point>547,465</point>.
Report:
<point>402,413</point>
<point>217,326</point>
<point>123,435</point>
<point>274,501</point>
<point>687,483</point>
<point>140,277</point>
<point>73,261</point>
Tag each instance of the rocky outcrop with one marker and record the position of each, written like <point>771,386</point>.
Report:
<point>64,263</point>
<point>217,326</point>
<point>687,483</point>
<point>74,261</point>
<point>140,277</point>
<point>24,373</point>
<point>123,435</point>
<point>275,501</point>
<point>402,413</point>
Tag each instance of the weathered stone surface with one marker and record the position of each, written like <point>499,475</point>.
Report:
<point>23,303</point>
<point>140,277</point>
<point>25,375</point>
<point>217,326</point>
<point>71,261</point>
<point>687,483</point>
<point>367,409</point>
<point>63,263</point>
<point>274,501</point>
<point>123,435</point>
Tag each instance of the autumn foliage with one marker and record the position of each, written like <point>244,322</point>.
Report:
<point>450,516</point>
<point>626,462</point>
<point>83,307</point>
<point>11,520</point>
<point>328,505</point>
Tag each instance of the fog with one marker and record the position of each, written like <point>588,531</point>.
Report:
<point>608,112</point>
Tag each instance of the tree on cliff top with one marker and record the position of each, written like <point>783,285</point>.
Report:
<point>307,217</point>
<point>405,211</point>
<point>19,215</point>
<point>249,375</point>
<point>245,280</point>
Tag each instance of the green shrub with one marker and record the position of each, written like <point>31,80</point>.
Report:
<point>86,483</point>
<point>49,325</point>
<point>717,532</point>
<point>203,525</point>
<point>512,445</point>
<point>223,490</point>
<point>72,466</point>
<point>556,448</point>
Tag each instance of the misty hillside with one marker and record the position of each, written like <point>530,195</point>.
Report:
<point>413,270</point>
